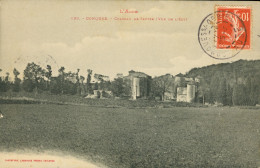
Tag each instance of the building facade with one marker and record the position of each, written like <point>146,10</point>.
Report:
<point>140,84</point>
<point>186,94</point>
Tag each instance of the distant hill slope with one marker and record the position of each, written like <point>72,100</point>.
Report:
<point>236,83</point>
<point>239,69</point>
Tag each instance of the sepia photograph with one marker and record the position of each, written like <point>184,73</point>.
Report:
<point>129,84</point>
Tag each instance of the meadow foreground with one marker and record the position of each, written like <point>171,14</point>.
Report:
<point>147,137</point>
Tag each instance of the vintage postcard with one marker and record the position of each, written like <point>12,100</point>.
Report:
<point>129,84</point>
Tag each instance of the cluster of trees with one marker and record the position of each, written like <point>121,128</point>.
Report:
<point>161,85</point>
<point>6,84</point>
<point>234,83</point>
<point>120,88</point>
<point>37,79</point>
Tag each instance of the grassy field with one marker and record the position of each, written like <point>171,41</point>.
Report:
<point>133,138</point>
<point>47,98</point>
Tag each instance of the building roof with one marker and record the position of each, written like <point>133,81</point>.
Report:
<point>133,73</point>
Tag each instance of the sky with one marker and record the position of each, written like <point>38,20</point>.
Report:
<point>44,32</point>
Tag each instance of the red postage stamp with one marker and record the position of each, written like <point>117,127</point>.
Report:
<point>233,27</point>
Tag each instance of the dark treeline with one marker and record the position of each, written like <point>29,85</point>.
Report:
<point>37,79</point>
<point>236,83</point>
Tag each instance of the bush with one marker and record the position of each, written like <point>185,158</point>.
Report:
<point>3,86</point>
<point>28,85</point>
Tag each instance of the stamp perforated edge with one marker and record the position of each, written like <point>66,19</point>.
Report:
<point>251,19</point>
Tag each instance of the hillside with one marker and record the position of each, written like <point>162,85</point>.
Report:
<point>239,69</point>
<point>234,83</point>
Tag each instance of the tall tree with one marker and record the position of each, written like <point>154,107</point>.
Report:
<point>161,85</point>
<point>229,92</point>
<point>78,81</point>
<point>89,87</point>
<point>120,88</point>
<point>3,83</point>
<point>33,75</point>
<point>0,75</point>
<point>255,90</point>
<point>7,81</point>
<point>16,73</point>
<point>221,92</point>
<point>240,95</point>
<point>7,76</point>
<point>248,90</point>
<point>82,88</point>
<point>203,89</point>
<point>17,81</point>
<point>48,75</point>
<point>62,78</point>
<point>252,90</point>
<point>214,89</point>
